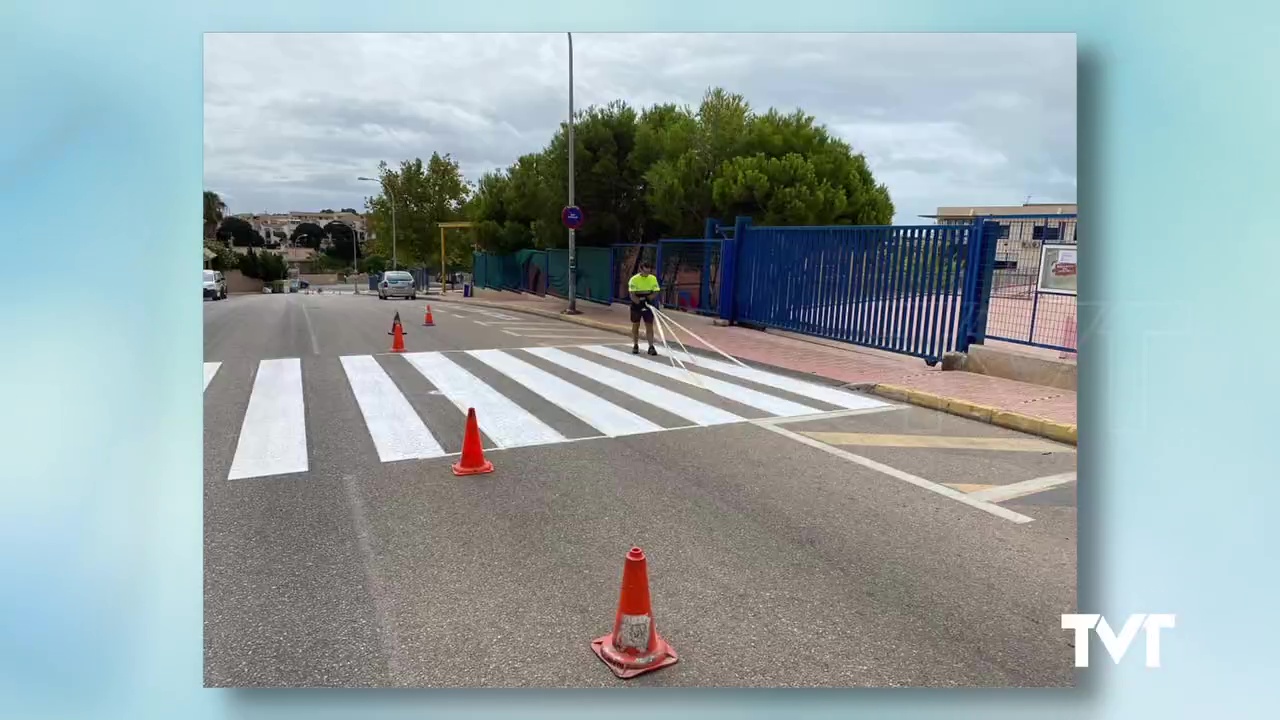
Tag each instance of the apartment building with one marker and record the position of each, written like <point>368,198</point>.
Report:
<point>1023,228</point>
<point>278,228</point>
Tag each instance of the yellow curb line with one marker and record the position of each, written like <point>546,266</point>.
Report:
<point>1059,432</point>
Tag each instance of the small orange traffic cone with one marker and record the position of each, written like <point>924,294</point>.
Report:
<point>634,647</point>
<point>428,321</point>
<point>472,461</point>
<point>397,332</point>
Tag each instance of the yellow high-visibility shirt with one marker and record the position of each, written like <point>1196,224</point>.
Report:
<point>641,284</point>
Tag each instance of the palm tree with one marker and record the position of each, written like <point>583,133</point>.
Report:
<point>214,209</point>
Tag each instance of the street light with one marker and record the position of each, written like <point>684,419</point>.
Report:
<point>387,187</point>
<point>573,247</point>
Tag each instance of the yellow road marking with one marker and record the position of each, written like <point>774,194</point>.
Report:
<point>938,442</point>
<point>968,487</point>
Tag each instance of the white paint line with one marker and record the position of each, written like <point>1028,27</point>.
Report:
<point>1001,493</point>
<point>592,409</point>
<point>674,403</point>
<point>210,369</point>
<point>273,437</point>
<point>736,393</point>
<point>829,395</point>
<point>827,415</point>
<point>398,432</point>
<point>900,475</point>
<point>315,346</point>
<point>512,334</point>
<point>505,422</point>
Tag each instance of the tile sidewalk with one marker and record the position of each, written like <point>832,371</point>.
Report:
<point>883,373</point>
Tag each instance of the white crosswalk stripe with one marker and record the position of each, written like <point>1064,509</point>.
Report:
<point>508,388</point>
<point>674,403</point>
<point>833,396</point>
<point>768,403</point>
<point>508,424</point>
<point>210,369</point>
<point>592,409</point>
<point>273,437</point>
<point>397,430</point>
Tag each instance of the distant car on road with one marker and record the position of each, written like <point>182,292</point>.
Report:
<point>397,283</point>
<point>215,285</point>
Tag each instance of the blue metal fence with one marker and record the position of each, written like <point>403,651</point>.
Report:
<point>1030,304</point>
<point>893,288</point>
<point>922,291</point>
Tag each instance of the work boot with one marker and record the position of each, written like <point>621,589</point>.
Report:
<point>635,349</point>
<point>652,350</point>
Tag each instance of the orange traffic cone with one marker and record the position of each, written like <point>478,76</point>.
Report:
<point>427,321</point>
<point>634,647</point>
<point>397,332</point>
<point>472,461</point>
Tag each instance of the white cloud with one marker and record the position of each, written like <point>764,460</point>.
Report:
<point>291,119</point>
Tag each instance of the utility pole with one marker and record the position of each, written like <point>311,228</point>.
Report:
<point>355,260</point>
<point>573,247</point>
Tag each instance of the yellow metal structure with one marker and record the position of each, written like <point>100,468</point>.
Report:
<point>443,227</point>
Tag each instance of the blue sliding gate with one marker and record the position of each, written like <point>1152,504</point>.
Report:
<point>919,291</point>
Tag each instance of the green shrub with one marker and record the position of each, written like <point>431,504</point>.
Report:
<point>264,266</point>
<point>374,265</point>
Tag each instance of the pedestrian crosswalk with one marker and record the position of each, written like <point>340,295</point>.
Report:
<point>522,397</point>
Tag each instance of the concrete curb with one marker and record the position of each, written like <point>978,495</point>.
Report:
<point>1059,432</point>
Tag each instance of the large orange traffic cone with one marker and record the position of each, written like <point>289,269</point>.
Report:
<point>634,647</point>
<point>427,321</point>
<point>472,461</point>
<point>397,332</point>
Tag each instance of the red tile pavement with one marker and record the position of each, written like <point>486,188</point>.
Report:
<point>849,364</point>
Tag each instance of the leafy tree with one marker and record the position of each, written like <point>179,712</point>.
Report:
<point>264,266</point>
<point>375,265</point>
<point>343,237</point>
<point>425,194</point>
<point>214,210</point>
<point>662,172</point>
<point>224,257</point>
<point>353,211</point>
<point>239,233</point>
<point>308,234</point>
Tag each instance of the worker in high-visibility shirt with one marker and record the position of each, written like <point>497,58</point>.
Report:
<point>643,289</point>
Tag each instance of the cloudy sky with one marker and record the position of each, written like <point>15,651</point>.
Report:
<point>292,119</point>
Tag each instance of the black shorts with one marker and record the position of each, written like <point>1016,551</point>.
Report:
<point>641,311</point>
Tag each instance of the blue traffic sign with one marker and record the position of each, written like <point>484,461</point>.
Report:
<point>572,217</point>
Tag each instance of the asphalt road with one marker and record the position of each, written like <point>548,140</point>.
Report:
<point>842,550</point>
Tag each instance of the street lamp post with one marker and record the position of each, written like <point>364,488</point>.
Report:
<point>573,247</point>
<point>387,187</point>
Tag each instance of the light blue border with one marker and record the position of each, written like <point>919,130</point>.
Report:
<point>100,546</point>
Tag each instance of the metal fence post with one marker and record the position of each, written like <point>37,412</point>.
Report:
<point>976,289</point>
<point>730,252</point>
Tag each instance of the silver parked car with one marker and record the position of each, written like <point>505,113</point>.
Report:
<point>397,283</point>
<point>215,285</point>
